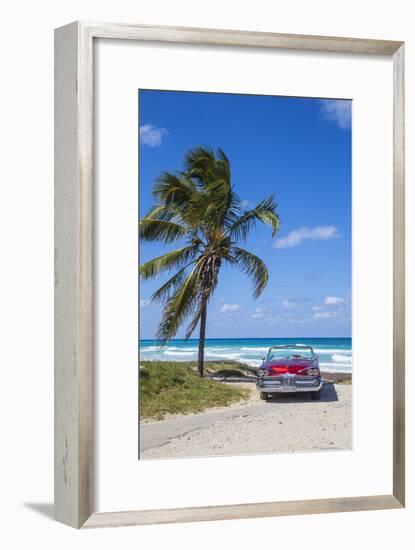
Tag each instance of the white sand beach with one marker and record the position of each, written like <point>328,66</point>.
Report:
<point>287,423</point>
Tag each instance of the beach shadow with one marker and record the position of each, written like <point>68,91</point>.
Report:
<point>328,394</point>
<point>45,509</point>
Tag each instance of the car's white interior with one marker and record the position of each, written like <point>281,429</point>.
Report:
<point>292,354</point>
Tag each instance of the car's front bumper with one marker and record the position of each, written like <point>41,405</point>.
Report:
<point>289,384</point>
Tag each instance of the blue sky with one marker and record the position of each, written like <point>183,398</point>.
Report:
<point>299,149</point>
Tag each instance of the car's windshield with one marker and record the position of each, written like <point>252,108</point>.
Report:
<point>293,353</point>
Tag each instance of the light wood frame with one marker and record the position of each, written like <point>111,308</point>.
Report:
<point>74,245</point>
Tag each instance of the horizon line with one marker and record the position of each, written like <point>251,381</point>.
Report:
<point>255,338</point>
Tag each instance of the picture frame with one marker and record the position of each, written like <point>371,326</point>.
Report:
<point>74,273</point>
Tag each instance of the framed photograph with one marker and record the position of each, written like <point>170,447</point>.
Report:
<point>229,274</point>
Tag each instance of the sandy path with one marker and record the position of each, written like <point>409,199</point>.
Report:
<point>285,424</point>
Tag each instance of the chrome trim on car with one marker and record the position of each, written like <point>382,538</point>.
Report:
<point>290,383</point>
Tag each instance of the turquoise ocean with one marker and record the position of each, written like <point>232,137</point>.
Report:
<point>335,354</point>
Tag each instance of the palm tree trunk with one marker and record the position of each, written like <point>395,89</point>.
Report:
<point>202,333</point>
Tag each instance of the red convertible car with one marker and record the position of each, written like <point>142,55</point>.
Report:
<point>289,369</point>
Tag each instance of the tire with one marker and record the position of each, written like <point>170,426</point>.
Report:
<point>263,395</point>
<point>315,395</point>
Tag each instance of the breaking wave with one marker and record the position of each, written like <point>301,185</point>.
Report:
<point>178,353</point>
<point>333,357</point>
<point>340,358</point>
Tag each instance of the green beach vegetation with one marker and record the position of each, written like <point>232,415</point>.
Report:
<point>199,208</point>
<point>169,387</point>
<point>174,387</point>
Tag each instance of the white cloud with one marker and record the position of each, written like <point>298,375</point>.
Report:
<point>325,314</point>
<point>286,304</point>
<point>332,307</point>
<point>258,313</point>
<point>333,300</point>
<point>230,308</point>
<point>297,236</point>
<point>245,203</point>
<point>145,303</point>
<point>338,111</point>
<point>151,135</point>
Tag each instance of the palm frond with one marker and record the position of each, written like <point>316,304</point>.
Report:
<point>170,286</point>
<point>179,306</point>
<point>264,212</point>
<point>212,171</point>
<point>200,164</point>
<point>253,266</point>
<point>193,323</point>
<point>223,158</point>
<point>202,304</point>
<point>223,168</point>
<point>166,212</point>
<point>208,279</point>
<point>233,209</point>
<point>171,189</point>
<point>175,259</point>
<point>161,230</point>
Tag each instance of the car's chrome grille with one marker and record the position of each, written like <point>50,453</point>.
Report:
<point>288,381</point>
<point>305,382</point>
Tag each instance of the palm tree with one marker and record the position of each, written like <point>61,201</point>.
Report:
<point>199,208</point>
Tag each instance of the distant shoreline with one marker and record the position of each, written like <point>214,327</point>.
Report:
<point>335,354</point>
<point>251,338</point>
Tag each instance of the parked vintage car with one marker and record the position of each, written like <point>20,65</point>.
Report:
<point>289,369</point>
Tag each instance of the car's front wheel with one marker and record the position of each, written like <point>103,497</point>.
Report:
<point>315,395</point>
<point>263,395</point>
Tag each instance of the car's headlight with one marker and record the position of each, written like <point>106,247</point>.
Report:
<point>261,372</point>
<point>313,372</point>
